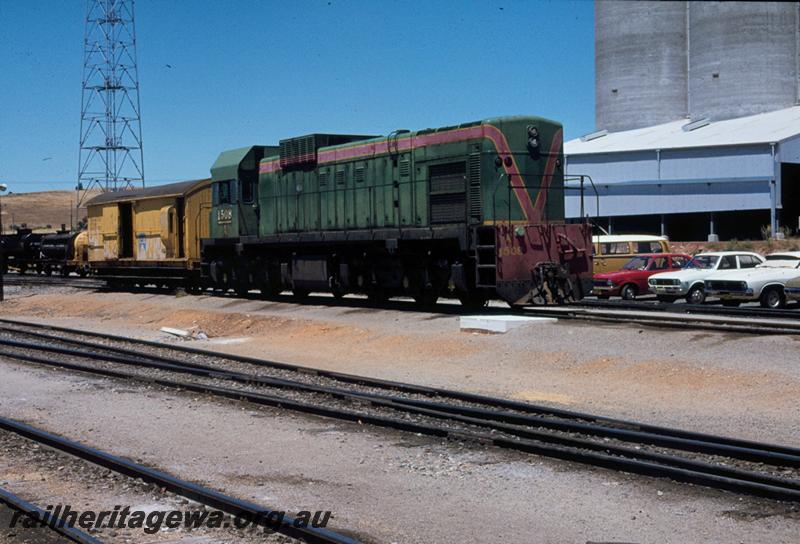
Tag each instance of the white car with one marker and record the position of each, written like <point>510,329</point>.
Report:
<point>764,283</point>
<point>688,281</point>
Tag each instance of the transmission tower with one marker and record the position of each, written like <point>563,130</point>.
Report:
<point>111,156</point>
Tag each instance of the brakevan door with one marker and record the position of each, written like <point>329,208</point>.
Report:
<point>125,230</point>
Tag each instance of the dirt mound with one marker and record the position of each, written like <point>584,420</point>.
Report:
<point>38,210</point>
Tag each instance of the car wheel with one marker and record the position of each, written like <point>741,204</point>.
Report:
<point>696,295</point>
<point>628,292</point>
<point>773,297</point>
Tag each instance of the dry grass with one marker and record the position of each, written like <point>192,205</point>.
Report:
<point>38,210</point>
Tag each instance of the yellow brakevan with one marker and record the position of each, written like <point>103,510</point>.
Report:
<point>149,235</point>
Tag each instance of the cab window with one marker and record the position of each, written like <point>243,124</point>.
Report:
<point>247,192</point>
<point>224,192</point>
<point>616,248</point>
<point>728,262</point>
<point>648,247</point>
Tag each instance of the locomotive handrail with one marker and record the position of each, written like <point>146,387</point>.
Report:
<point>582,177</point>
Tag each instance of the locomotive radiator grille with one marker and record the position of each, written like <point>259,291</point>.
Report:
<point>474,179</point>
<point>448,198</point>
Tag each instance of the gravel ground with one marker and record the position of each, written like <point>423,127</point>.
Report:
<point>380,484</point>
<point>304,397</point>
<point>380,487</point>
<point>47,477</point>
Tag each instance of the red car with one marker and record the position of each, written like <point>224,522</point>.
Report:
<point>631,280</point>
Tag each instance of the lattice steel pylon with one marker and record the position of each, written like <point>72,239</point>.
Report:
<point>111,155</point>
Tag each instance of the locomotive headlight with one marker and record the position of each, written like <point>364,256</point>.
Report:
<point>533,138</point>
<point>519,230</point>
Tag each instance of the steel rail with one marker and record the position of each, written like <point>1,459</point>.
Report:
<point>45,519</point>
<point>565,448</point>
<point>252,512</point>
<point>493,402</point>
<point>670,307</point>
<point>482,417</point>
<point>671,321</point>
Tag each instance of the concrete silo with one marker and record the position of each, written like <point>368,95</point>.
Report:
<point>640,62</point>
<point>743,58</point>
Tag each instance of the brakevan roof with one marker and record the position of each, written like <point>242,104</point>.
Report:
<point>170,189</point>
<point>764,128</point>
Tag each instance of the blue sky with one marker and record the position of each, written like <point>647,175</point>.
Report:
<point>252,72</point>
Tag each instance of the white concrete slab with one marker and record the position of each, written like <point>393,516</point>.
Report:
<point>499,323</point>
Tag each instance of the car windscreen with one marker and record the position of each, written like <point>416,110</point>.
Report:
<point>780,261</point>
<point>703,262</point>
<point>637,263</point>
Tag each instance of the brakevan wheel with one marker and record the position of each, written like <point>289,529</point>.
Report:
<point>696,295</point>
<point>773,297</point>
<point>628,292</point>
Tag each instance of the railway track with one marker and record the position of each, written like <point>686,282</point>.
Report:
<point>741,466</point>
<point>678,316</point>
<point>245,510</point>
<point>31,280</point>
<point>701,309</point>
<point>34,512</point>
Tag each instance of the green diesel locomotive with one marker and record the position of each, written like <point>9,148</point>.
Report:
<point>474,211</point>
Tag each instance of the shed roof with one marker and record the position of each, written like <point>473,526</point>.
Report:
<point>169,189</point>
<point>764,128</point>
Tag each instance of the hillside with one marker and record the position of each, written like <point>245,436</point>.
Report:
<point>37,210</point>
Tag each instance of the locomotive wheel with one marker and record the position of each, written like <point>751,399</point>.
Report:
<point>377,296</point>
<point>473,301</point>
<point>426,298</point>
<point>300,293</point>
